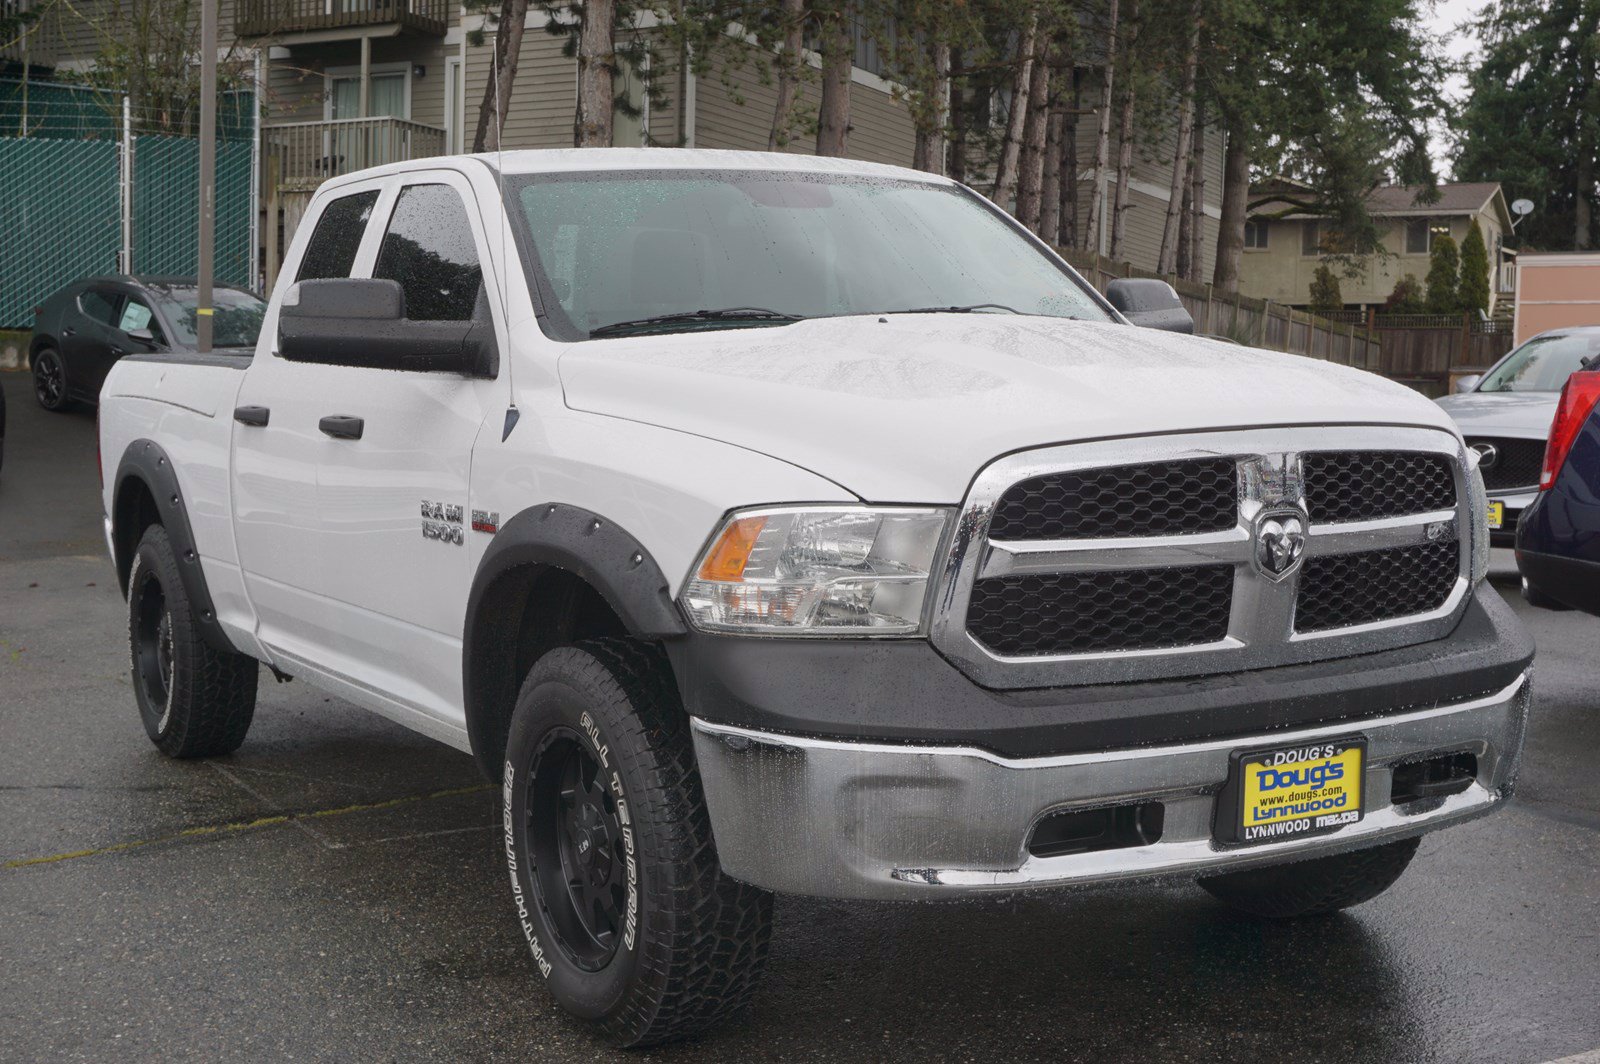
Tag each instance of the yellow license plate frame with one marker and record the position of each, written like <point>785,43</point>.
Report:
<point>1497,515</point>
<point>1292,792</point>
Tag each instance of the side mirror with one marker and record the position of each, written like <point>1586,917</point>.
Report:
<point>360,321</point>
<point>144,336</point>
<point>1149,303</point>
<point>1469,382</point>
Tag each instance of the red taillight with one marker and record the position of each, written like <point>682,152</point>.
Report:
<point>1578,397</point>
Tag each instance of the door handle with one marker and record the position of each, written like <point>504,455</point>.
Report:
<point>117,351</point>
<point>341,427</point>
<point>69,331</point>
<point>251,415</point>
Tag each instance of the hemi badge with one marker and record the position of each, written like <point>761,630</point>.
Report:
<point>485,522</point>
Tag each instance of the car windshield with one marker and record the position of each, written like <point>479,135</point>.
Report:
<point>235,321</point>
<point>1543,364</point>
<point>633,252</point>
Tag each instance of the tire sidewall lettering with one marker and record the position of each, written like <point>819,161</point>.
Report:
<point>519,895</point>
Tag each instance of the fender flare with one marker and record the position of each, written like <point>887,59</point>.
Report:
<point>146,462</point>
<point>595,549</point>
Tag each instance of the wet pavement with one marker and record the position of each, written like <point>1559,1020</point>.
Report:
<point>332,891</point>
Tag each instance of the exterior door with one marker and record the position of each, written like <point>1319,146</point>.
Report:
<point>396,536</point>
<point>90,342</point>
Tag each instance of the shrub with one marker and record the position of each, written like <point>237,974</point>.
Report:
<point>1474,285</point>
<point>1406,297</point>
<point>1325,294</point>
<point>1444,283</point>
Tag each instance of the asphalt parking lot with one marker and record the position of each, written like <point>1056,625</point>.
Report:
<point>332,891</point>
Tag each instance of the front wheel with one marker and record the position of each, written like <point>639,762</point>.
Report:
<point>613,872</point>
<point>1317,886</point>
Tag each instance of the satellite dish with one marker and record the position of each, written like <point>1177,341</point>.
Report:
<point>1522,207</point>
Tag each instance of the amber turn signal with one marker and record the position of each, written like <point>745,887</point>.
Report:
<point>726,560</point>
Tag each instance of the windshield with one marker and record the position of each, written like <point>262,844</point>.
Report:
<point>1543,364</point>
<point>235,321</point>
<point>624,253</point>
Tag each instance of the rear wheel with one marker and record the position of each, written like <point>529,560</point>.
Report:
<point>1317,886</point>
<point>195,700</point>
<point>613,872</point>
<point>50,379</point>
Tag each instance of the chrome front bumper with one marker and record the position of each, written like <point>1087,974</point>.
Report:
<point>865,820</point>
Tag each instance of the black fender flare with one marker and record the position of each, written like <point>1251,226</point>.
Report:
<point>602,553</point>
<point>146,462</point>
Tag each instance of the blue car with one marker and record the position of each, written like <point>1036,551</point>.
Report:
<point>1558,538</point>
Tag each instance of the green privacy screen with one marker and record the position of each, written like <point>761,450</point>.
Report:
<point>166,208</point>
<point>60,219</point>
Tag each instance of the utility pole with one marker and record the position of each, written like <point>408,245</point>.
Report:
<point>208,168</point>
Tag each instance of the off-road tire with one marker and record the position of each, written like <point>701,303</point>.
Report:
<point>50,385</point>
<point>195,700</point>
<point>700,940</point>
<point>1314,887</point>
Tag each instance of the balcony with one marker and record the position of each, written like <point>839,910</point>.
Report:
<point>302,155</point>
<point>275,18</point>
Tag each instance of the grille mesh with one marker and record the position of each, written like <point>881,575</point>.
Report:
<point>1517,463</point>
<point>1364,485</point>
<point>1156,499</point>
<point>1080,613</point>
<point>1348,589</point>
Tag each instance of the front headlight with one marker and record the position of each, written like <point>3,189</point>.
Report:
<point>847,570</point>
<point>1477,519</point>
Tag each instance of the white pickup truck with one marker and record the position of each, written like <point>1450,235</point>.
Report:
<point>766,524</point>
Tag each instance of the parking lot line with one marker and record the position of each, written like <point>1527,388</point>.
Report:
<point>237,827</point>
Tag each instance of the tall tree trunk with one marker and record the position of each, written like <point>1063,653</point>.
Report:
<point>1235,202</point>
<point>956,152</point>
<point>1050,190</point>
<point>1069,162</point>
<point>1035,132</point>
<point>1197,197</point>
<point>597,64</point>
<point>1005,174</point>
<point>929,153</point>
<point>497,86</point>
<point>1167,260</point>
<point>1119,200</point>
<point>1185,258</point>
<point>1102,145</point>
<point>838,53</point>
<point>793,13</point>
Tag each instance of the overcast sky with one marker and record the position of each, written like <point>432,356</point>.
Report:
<point>1446,16</point>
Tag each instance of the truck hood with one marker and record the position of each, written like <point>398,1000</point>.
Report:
<point>1515,414</point>
<point>908,408</point>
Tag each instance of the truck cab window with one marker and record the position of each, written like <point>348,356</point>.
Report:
<point>336,239</point>
<point>430,250</point>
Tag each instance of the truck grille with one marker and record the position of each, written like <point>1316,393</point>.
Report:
<point>1156,499</point>
<point>1344,590</point>
<point>1076,613</point>
<point>1129,560</point>
<point>1508,463</point>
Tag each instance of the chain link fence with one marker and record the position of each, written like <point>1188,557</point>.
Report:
<point>89,187</point>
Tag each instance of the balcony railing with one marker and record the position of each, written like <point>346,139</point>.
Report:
<point>272,17</point>
<point>301,155</point>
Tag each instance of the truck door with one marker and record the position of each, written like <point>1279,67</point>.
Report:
<point>396,534</point>
<point>277,445</point>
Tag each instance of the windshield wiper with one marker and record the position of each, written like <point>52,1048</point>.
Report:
<point>754,315</point>
<point>967,309</point>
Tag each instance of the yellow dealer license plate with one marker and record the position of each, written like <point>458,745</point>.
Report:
<point>1293,791</point>
<point>1497,514</point>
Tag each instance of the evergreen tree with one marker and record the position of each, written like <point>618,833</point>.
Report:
<point>1532,117</point>
<point>1444,283</point>
<point>1325,294</point>
<point>1406,297</point>
<point>1474,287</point>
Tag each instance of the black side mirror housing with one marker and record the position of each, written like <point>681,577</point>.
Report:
<point>361,321</point>
<point>1149,303</point>
<point>144,336</point>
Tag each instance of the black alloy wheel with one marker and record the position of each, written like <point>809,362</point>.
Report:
<point>153,658</point>
<point>577,843</point>
<point>49,379</point>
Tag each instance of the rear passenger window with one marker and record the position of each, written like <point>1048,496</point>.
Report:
<point>337,238</point>
<point>430,250</point>
<point>99,306</point>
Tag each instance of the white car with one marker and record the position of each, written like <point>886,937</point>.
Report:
<point>1505,417</point>
<point>769,524</point>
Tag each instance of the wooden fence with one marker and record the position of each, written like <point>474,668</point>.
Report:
<point>1424,351</point>
<point>1256,322</point>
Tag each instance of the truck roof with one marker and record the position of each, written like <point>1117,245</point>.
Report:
<point>568,160</point>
